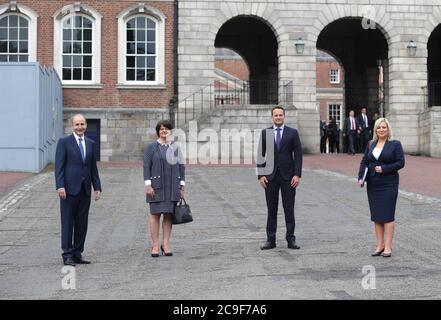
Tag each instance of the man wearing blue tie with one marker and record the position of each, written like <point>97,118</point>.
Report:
<point>279,168</point>
<point>75,172</point>
<point>365,129</point>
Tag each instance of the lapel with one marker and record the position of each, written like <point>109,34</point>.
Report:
<point>385,147</point>
<point>383,152</point>
<point>370,154</point>
<point>88,149</point>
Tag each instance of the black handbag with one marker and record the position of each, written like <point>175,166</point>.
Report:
<point>182,213</point>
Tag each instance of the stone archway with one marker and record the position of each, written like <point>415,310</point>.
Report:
<point>254,40</point>
<point>362,52</point>
<point>434,67</point>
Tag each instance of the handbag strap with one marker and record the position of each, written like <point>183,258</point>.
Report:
<point>180,201</point>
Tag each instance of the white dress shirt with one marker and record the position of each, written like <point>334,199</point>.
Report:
<point>282,127</point>
<point>82,142</point>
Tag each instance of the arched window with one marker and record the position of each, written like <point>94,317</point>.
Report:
<point>18,33</point>
<point>141,51</point>
<point>77,56</point>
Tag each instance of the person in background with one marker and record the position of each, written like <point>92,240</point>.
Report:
<point>364,126</point>
<point>350,131</point>
<point>323,136</point>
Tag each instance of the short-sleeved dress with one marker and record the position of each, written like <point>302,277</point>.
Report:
<point>166,206</point>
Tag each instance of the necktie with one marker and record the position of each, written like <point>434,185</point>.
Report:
<point>278,138</point>
<point>352,124</point>
<point>80,144</point>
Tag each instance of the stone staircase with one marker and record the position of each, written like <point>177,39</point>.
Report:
<point>229,134</point>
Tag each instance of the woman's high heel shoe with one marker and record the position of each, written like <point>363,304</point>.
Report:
<point>377,253</point>
<point>168,254</point>
<point>155,255</point>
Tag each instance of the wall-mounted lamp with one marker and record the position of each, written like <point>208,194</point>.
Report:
<point>300,45</point>
<point>411,48</point>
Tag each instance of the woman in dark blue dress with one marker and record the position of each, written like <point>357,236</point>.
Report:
<point>383,158</point>
<point>164,177</point>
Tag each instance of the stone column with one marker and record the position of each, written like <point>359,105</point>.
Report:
<point>300,68</point>
<point>407,77</point>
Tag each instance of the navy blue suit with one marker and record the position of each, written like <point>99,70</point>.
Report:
<point>382,188</point>
<point>280,166</point>
<point>77,177</point>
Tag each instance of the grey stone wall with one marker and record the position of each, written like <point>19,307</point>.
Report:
<point>435,128</point>
<point>124,132</point>
<point>400,21</point>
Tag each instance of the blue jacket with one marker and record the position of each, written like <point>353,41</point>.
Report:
<point>288,160</point>
<point>71,171</point>
<point>391,159</point>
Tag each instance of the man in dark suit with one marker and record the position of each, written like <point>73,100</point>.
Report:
<point>75,172</point>
<point>279,167</point>
<point>350,131</point>
<point>365,129</point>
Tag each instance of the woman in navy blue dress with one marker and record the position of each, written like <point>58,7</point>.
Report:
<point>383,157</point>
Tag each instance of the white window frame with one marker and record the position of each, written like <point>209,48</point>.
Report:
<point>12,8</point>
<point>59,17</point>
<point>337,76</point>
<point>159,18</point>
<point>340,120</point>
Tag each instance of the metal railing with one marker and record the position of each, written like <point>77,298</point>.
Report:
<point>230,92</point>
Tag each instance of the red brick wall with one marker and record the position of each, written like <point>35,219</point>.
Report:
<point>109,95</point>
<point>237,68</point>
<point>323,110</point>
<point>323,71</point>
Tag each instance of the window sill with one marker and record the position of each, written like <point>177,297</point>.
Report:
<point>83,86</point>
<point>142,86</point>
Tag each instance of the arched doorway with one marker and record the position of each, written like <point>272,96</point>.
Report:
<point>256,43</point>
<point>330,100</point>
<point>434,67</point>
<point>363,54</point>
<point>232,76</point>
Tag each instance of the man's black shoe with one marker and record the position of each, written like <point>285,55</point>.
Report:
<point>268,245</point>
<point>293,245</point>
<point>69,262</point>
<point>81,261</point>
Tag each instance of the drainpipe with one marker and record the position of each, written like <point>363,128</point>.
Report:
<point>174,99</point>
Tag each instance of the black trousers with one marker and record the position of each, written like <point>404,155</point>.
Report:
<point>365,136</point>
<point>272,203</point>
<point>351,141</point>
<point>74,219</point>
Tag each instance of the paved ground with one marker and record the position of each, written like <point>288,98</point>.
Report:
<point>217,256</point>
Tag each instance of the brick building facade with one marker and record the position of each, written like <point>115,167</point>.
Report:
<point>115,60</point>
